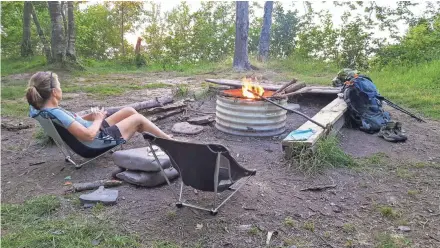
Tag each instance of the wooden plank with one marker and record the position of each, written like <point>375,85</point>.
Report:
<point>332,114</point>
<point>316,90</point>
<point>238,84</point>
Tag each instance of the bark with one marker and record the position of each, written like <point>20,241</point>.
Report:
<point>241,60</point>
<point>263,44</point>
<point>58,43</point>
<point>71,33</point>
<point>46,46</point>
<point>26,47</point>
<point>63,14</point>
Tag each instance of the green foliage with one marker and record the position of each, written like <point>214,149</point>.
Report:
<point>38,223</point>
<point>283,31</point>
<point>421,44</point>
<point>327,154</point>
<point>97,33</point>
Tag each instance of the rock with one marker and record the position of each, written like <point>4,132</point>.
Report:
<point>116,171</point>
<point>105,196</point>
<point>186,128</point>
<point>147,179</point>
<point>200,120</point>
<point>293,106</point>
<point>141,159</point>
<point>404,228</point>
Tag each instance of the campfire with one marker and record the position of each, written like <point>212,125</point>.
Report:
<point>248,85</point>
<point>240,112</point>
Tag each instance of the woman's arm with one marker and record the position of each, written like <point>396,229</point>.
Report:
<point>87,134</point>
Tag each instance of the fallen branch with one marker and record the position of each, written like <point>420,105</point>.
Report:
<point>37,163</point>
<point>319,188</point>
<point>166,114</point>
<point>77,187</point>
<point>151,111</point>
<point>158,101</point>
<point>15,127</point>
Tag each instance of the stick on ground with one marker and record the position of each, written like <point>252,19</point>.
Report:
<point>319,188</point>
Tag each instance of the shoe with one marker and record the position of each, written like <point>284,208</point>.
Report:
<point>392,132</point>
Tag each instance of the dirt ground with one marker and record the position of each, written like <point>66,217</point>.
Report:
<point>403,177</point>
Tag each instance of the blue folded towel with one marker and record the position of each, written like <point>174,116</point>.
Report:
<point>301,134</point>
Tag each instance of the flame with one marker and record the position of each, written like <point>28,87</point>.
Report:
<point>247,85</point>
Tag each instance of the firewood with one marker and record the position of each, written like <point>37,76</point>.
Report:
<point>77,187</point>
<point>285,86</point>
<point>295,87</point>
<point>159,101</point>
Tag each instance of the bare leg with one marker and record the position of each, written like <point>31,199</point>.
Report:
<point>138,123</point>
<point>120,115</point>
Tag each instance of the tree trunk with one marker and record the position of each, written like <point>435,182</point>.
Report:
<point>26,48</point>
<point>122,29</point>
<point>263,44</point>
<point>58,43</point>
<point>71,34</point>
<point>46,46</point>
<point>63,14</point>
<point>241,60</point>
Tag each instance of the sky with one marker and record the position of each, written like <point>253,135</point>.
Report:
<point>298,5</point>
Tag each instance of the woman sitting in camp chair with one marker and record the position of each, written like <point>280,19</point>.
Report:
<point>44,94</point>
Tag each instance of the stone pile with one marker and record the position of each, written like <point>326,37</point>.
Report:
<point>140,167</point>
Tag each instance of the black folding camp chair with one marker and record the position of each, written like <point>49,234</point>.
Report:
<point>69,144</point>
<point>205,167</point>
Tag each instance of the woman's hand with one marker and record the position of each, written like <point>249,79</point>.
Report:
<point>100,115</point>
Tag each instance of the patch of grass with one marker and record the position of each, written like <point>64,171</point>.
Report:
<point>98,208</point>
<point>42,137</point>
<point>413,193</point>
<point>13,92</point>
<point>171,215</point>
<point>386,240</point>
<point>413,87</point>
<point>388,212</point>
<point>377,158</point>
<point>349,243</point>
<point>14,108</point>
<point>403,173</point>
<point>110,89</point>
<point>38,223</point>
<point>20,65</point>
<point>182,90</point>
<point>327,154</point>
<point>289,222</point>
<point>253,231</point>
<point>348,228</point>
<point>309,225</point>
